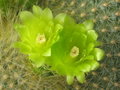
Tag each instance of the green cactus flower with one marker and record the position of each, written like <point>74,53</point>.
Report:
<point>69,48</point>
<point>75,53</point>
<point>38,31</point>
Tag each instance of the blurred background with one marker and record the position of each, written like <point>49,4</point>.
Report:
<point>16,73</point>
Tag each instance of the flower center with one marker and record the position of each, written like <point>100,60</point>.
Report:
<point>74,52</point>
<point>40,38</point>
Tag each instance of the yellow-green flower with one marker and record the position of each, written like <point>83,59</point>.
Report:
<point>75,53</point>
<point>38,31</point>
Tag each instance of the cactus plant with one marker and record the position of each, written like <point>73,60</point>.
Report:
<point>106,17</point>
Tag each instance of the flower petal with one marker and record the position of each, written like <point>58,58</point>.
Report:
<point>98,53</point>
<point>84,67</point>
<point>93,64</point>
<point>89,48</point>
<point>37,10</point>
<point>23,47</point>
<point>70,79</point>
<point>89,24</point>
<point>60,18</point>
<point>47,14</point>
<point>81,77</point>
<point>92,36</point>
<point>25,16</point>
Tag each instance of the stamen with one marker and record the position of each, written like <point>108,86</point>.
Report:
<point>40,38</point>
<point>74,52</point>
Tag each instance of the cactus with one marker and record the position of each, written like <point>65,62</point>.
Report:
<point>16,71</point>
